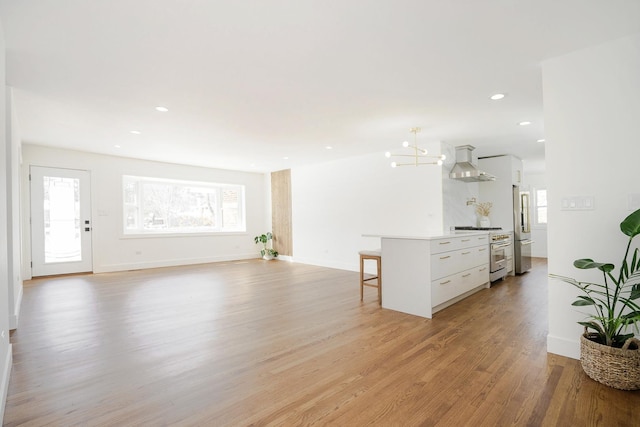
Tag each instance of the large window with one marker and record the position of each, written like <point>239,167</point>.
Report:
<point>153,205</point>
<point>541,206</point>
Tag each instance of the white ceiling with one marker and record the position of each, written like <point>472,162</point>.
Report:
<point>248,83</point>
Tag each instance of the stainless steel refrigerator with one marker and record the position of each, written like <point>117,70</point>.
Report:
<point>522,230</point>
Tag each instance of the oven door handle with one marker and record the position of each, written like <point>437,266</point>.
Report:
<point>500,246</point>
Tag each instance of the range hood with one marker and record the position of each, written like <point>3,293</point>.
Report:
<point>465,168</point>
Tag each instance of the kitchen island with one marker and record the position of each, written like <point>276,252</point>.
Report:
<point>422,275</point>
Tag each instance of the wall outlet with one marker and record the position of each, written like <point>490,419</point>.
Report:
<point>2,334</point>
<point>138,252</point>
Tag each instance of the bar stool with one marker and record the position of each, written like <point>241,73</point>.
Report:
<point>377,257</point>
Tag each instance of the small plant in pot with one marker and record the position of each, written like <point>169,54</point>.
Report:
<point>483,210</point>
<point>266,252</point>
<point>609,351</point>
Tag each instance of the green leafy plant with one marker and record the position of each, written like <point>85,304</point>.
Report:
<point>614,301</point>
<point>264,239</point>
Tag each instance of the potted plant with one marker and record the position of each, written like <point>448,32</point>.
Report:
<point>483,210</point>
<point>609,352</point>
<point>266,252</point>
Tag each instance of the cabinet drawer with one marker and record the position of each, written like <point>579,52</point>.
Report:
<point>474,240</point>
<point>483,254</point>
<point>458,242</point>
<point>473,278</point>
<point>443,290</point>
<point>445,264</point>
<point>445,245</point>
<point>473,257</point>
<point>448,263</point>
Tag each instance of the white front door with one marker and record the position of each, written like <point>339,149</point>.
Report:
<point>60,221</point>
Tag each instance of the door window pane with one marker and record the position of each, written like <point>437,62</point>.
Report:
<point>62,220</point>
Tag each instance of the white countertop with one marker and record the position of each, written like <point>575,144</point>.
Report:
<point>433,237</point>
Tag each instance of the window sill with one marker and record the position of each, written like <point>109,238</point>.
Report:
<point>169,235</point>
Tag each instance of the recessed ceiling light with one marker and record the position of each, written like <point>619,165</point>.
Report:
<point>117,146</point>
<point>541,140</point>
<point>525,123</point>
<point>328,147</point>
<point>497,96</point>
<point>135,132</point>
<point>285,158</point>
<point>163,109</point>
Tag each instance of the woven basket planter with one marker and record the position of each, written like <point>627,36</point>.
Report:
<point>615,367</point>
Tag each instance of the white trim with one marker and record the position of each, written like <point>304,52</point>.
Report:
<point>328,264</point>
<point>171,263</point>
<point>13,318</point>
<point>6,374</point>
<point>153,235</point>
<point>563,347</point>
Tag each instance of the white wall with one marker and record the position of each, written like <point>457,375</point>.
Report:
<point>532,182</point>
<point>114,252</point>
<point>5,228</point>
<point>592,106</point>
<point>334,203</point>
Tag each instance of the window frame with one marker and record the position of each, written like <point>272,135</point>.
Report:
<point>173,232</point>
<point>536,223</point>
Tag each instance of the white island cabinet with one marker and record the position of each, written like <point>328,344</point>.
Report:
<point>422,275</point>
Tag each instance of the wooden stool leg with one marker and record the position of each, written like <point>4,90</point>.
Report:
<point>379,262</point>
<point>361,278</point>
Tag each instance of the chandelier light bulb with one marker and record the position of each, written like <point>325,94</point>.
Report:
<point>418,156</point>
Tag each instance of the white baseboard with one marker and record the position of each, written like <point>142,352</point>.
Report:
<point>563,347</point>
<point>328,264</point>
<point>4,387</point>
<point>170,263</point>
<point>15,316</point>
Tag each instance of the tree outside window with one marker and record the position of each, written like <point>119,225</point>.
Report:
<point>154,205</point>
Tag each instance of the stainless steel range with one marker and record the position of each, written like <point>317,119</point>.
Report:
<point>500,244</point>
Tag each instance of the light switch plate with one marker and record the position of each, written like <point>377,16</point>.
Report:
<point>577,203</point>
<point>633,201</point>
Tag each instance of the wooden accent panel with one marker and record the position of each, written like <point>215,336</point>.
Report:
<point>281,212</point>
<point>286,344</point>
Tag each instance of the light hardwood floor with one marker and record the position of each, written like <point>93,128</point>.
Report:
<point>277,343</point>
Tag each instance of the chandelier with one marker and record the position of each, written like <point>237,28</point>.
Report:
<point>418,156</point>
